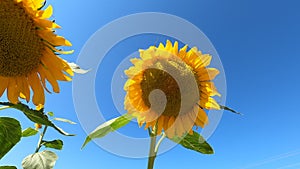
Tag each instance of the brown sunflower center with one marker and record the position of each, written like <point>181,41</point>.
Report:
<point>177,81</point>
<point>20,46</point>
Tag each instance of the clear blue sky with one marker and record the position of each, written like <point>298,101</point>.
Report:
<point>258,43</point>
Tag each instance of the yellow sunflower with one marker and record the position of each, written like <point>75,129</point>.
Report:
<point>28,53</point>
<point>172,71</point>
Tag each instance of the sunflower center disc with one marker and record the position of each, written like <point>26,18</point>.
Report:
<point>177,81</point>
<point>20,46</point>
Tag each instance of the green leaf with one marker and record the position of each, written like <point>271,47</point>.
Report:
<point>36,116</point>
<point>108,127</point>
<point>29,132</point>
<point>40,160</point>
<point>4,107</point>
<point>194,142</point>
<point>64,120</point>
<point>56,144</point>
<point>50,114</point>
<point>8,167</point>
<point>10,134</point>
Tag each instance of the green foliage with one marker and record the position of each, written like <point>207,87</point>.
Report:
<point>108,127</point>
<point>55,144</point>
<point>194,142</point>
<point>8,167</point>
<point>10,134</point>
<point>40,160</point>
<point>29,132</point>
<point>36,116</point>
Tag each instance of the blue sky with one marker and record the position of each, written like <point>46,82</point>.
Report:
<point>258,44</point>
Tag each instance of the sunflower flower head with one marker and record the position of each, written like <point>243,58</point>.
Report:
<point>28,51</point>
<point>170,88</point>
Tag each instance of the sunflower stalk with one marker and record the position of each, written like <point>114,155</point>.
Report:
<point>152,153</point>
<point>39,145</point>
<point>154,146</point>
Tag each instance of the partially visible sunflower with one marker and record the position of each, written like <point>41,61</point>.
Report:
<point>28,53</point>
<point>173,72</point>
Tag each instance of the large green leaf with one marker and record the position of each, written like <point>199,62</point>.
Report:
<point>194,142</point>
<point>36,116</point>
<point>33,115</point>
<point>56,144</point>
<point>40,160</point>
<point>10,134</point>
<point>29,132</point>
<point>108,127</point>
<point>8,167</point>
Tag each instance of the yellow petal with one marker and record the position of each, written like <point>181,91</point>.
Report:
<point>39,107</point>
<point>207,74</point>
<point>202,118</point>
<point>168,45</point>
<point>179,126</point>
<point>161,46</point>
<point>38,90</point>
<point>55,40</point>
<point>58,62</point>
<point>175,48</point>
<point>58,50</point>
<point>171,128</point>
<point>47,12</point>
<point>166,121</point>
<point>182,52</point>
<point>160,125</point>
<point>187,123</point>
<point>36,4</point>
<point>206,59</point>
<point>43,23</point>
<point>54,69</point>
<point>50,79</point>
<point>213,104</point>
<point>3,84</point>
<point>12,91</point>
<point>23,88</point>
<point>209,88</point>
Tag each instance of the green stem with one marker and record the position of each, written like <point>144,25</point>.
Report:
<point>152,153</point>
<point>39,145</point>
<point>159,142</point>
<point>154,148</point>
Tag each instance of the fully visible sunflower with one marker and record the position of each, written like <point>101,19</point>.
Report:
<point>172,71</point>
<point>28,53</point>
